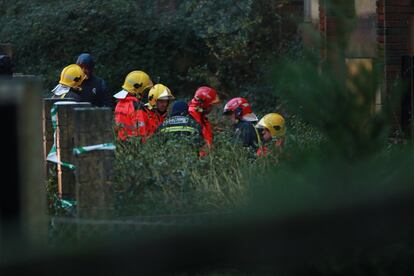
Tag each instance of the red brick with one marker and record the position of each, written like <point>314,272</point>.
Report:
<point>393,60</point>
<point>394,31</point>
<point>393,23</point>
<point>397,39</point>
<point>393,68</point>
<point>398,3</point>
<point>396,16</point>
<point>397,47</point>
<point>396,53</point>
<point>391,77</point>
<point>399,9</point>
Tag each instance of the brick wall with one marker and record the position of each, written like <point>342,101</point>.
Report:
<point>393,38</point>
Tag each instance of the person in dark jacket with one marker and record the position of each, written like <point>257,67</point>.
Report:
<point>180,131</point>
<point>239,112</point>
<point>179,123</point>
<point>94,89</point>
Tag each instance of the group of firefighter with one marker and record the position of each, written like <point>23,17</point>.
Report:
<point>136,119</point>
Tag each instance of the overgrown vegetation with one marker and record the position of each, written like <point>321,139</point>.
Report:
<point>162,178</point>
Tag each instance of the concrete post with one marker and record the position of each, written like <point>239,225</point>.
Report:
<point>65,145</point>
<point>94,169</point>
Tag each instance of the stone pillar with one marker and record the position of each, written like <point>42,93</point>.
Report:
<point>94,169</point>
<point>22,195</point>
<point>64,146</point>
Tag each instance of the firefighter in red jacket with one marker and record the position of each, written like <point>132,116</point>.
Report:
<point>128,104</point>
<point>273,129</point>
<point>151,115</point>
<point>200,106</point>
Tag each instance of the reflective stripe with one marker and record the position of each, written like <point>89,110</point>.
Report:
<point>69,77</point>
<point>178,129</point>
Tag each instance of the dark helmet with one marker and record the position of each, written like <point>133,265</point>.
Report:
<point>179,108</point>
<point>86,60</point>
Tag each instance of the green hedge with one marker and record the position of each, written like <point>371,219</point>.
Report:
<point>226,44</point>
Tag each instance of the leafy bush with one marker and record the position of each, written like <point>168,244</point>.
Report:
<point>225,44</point>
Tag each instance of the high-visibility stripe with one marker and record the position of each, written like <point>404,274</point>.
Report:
<point>178,129</point>
<point>71,77</point>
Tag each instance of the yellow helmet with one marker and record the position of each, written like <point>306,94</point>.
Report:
<point>136,82</point>
<point>274,123</point>
<point>72,76</point>
<point>159,92</point>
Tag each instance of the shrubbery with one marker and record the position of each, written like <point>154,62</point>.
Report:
<point>159,178</point>
<point>225,44</point>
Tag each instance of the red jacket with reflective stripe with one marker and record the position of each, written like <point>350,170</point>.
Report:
<point>125,117</point>
<point>202,120</point>
<point>148,121</point>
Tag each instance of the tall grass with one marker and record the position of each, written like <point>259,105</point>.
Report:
<point>170,178</point>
